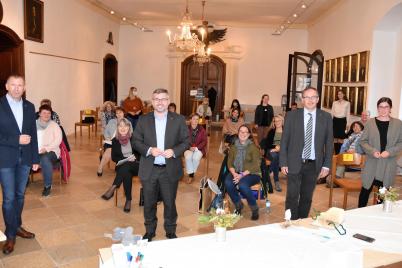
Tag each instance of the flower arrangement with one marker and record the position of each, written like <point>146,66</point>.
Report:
<point>220,218</point>
<point>390,194</point>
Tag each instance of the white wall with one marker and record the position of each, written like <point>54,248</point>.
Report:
<point>71,30</point>
<point>349,28</point>
<point>262,68</point>
<point>398,70</point>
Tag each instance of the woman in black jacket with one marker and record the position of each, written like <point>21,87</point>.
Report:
<point>263,117</point>
<point>127,162</point>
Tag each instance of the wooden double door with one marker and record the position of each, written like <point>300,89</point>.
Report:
<point>210,77</point>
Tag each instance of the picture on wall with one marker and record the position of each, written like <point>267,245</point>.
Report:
<point>33,20</point>
<point>352,99</point>
<point>333,71</point>
<point>331,96</point>
<point>338,69</point>
<point>325,97</point>
<point>363,64</point>
<point>345,69</point>
<point>327,71</point>
<point>353,67</point>
<point>361,100</point>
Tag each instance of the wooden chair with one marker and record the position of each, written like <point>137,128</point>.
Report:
<point>56,167</point>
<point>347,184</point>
<point>94,124</point>
<point>116,192</point>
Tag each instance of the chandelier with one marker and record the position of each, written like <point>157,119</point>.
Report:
<point>203,51</point>
<point>186,40</point>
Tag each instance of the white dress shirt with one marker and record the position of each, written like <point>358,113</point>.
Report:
<point>341,109</point>
<point>16,108</point>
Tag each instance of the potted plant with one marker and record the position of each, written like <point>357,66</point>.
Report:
<point>221,221</point>
<point>388,196</point>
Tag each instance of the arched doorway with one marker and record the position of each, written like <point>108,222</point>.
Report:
<point>11,56</point>
<point>210,77</point>
<point>110,78</point>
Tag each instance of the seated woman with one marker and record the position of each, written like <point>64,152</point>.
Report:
<point>109,133</point>
<point>351,145</point>
<point>244,167</point>
<point>127,162</point>
<point>198,145</point>
<point>231,126</point>
<point>204,110</point>
<point>54,116</point>
<point>49,140</point>
<point>172,107</point>
<point>107,112</point>
<point>271,147</point>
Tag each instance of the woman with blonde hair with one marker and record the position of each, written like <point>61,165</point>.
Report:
<point>127,164</point>
<point>107,112</point>
<point>271,147</point>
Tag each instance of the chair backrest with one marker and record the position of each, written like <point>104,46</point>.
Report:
<point>352,160</point>
<point>88,113</point>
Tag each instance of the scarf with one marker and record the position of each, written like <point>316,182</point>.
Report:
<point>240,155</point>
<point>109,116</point>
<point>40,125</point>
<point>234,119</point>
<point>123,139</point>
<point>194,132</point>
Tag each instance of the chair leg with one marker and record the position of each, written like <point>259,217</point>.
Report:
<point>116,191</point>
<point>75,131</point>
<point>345,199</point>
<point>80,131</point>
<point>375,191</point>
<point>89,131</point>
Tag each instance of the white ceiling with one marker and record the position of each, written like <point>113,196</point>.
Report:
<point>222,12</point>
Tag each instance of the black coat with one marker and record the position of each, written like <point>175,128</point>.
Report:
<point>259,111</point>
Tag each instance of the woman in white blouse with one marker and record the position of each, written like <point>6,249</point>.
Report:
<point>340,116</point>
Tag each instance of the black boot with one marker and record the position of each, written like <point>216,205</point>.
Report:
<point>239,207</point>
<point>127,206</point>
<point>254,213</point>
<point>109,193</point>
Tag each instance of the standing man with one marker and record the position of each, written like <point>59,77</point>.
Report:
<point>305,162</point>
<point>161,137</point>
<point>18,153</point>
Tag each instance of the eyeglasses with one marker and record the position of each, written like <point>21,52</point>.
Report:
<point>310,98</point>
<point>160,100</point>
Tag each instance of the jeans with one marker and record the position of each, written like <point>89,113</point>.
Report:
<point>46,163</point>
<point>13,183</point>
<point>274,167</point>
<point>192,160</point>
<point>244,187</point>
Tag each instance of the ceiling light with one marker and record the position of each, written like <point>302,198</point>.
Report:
<point>111,12</point>
<point>295,15</point>
<point>303,6</point>
<point>124,18</point>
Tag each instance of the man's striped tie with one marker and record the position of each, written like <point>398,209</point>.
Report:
<point>308,138</point>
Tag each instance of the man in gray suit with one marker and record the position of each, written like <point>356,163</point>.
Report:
<point>161,137</point>
<point>305,162</point>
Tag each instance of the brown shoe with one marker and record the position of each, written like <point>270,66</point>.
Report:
<point>8,246</point>
<point>21,232</point>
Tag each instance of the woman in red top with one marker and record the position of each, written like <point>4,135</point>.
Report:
<point>198,145</point>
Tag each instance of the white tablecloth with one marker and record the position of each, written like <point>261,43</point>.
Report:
<point>273,246</point>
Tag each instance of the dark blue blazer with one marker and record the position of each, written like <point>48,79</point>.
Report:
<point>10,149</point>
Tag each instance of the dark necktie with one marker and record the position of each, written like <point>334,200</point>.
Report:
<point>308,138</point>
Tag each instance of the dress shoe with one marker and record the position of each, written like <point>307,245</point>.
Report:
<point>99,173</point>
<point>148,236</point>
<point>239,207</point>
<point>109,193</point>
<point>46,191</point>
<point>254,213</point>
<point>171,235</point>
<point>322,180</point>
<point>127,206</point>
<point>278,187</point>
<point>8,246</point>
<point>21,232</point>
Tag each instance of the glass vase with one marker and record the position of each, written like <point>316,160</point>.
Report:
<point>220,234</point>
<point>387,206</point>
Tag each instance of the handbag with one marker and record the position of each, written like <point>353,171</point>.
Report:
<point>205,196</point>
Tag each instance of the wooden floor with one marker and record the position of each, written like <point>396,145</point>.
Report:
<point>71,223</point>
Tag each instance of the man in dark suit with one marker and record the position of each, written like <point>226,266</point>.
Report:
<point>18,154</point>
<point>305,162</point>
<point>161,137</point>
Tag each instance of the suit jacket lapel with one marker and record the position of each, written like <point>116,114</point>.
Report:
<point>169,122</point>
<point>300,119</point>
<point>25,119</point>
<point>318,120</point>
<point>153,129</point>
<point>10,113</point>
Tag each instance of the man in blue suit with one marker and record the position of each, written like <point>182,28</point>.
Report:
<point>18,154</point>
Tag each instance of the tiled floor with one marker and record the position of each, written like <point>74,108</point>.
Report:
<point>71,223</point>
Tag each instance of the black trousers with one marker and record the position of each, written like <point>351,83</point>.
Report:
<point>159,183</point>
<point>300,188</point>
<point>124,174</point>
<point>365,193</point>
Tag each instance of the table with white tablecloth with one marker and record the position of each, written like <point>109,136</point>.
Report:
<point>297,246</point>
